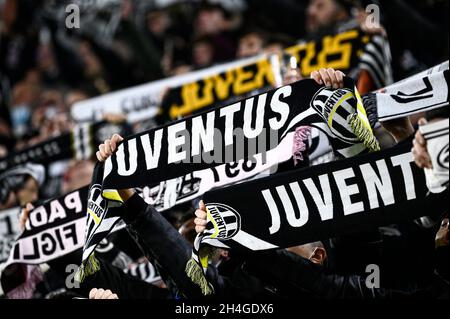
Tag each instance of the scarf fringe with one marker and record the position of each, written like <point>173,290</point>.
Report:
<point>90,267</point>
<point>364,134</point>
<point>195,273</point>
<point>301,136</point>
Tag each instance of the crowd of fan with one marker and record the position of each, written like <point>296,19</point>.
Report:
<point>45,68</point>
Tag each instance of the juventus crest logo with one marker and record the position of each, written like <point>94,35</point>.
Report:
<point>225,220</point>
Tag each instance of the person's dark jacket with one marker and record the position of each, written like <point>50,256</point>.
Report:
<point>170,252</point>
<point>294,273</point>
<point>288,274</point>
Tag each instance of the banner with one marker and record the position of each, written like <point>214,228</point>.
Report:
<point>419,93</point>
<point>162,196</point>
<point>9,230</point>
<point>166,153</point>
<point>80,143</point>
<point>210,139</point>
<point>349,51</point>
<point>436,135</point>
<point>142,102</point>
<point>166,194</point>
<point>321,202</point>
<point>52,230</point>
<point>219,89</point>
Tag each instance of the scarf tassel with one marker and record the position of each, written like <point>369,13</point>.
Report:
<point>364,134</point>
<point>195,273</point>
<point>90,267</point>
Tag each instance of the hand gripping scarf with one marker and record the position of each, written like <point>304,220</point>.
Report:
<point>181,148</point>
<point>312,204</point>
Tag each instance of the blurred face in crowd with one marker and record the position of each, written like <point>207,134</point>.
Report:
<point>4,128</point>
<point>8,13</point>
<point>323,13</point>
<point>50,117</point>
<point>210,21</point>
<point>73,97</point>
<point>3,151</point>
<point>10,201</point>
<point>314,252</point>
<point>202,54</point>
<point>55,124</point>
<point>92,63</point>
<point>46,60</point>
<point>158,22</point>
<point>249,45</point>
<point>273,48</point>
<point>29,192</point>
<point>78,174</point>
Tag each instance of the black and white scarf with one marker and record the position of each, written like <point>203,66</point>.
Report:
<point>351,51</point>
<point>102,215</point>
<point>436,135</point>
<point>80,143</point>
<point>154,155</point>
<point>56,229</point>
<point>52,230</point>
<point>9,230</point>
<point>316,203</point>
<point>422,92</point>
<point>145,271</point>
<point>206,140</point>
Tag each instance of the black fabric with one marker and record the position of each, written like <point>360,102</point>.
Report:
<point>247,276</point>
<point>164,244</point>
<point>160,241</point>
<point>442,259</point>
<point>57,148</point>
<point>57,221</point>
<point>125,286</point>
<point>152,155</point>
<point>266,212</point>
<point>295,274</point>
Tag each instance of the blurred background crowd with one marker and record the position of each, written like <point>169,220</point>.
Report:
<point>46,67</point>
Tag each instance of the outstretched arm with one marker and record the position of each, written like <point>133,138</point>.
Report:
<point>156,236</point>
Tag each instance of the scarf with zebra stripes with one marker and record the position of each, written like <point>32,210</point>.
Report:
<point>80,143</point>
<point>312,204</point>
<point>182,147</point>
<point>240,131</point>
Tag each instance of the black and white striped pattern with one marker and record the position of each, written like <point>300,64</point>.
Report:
<point>144,271</point>
<point>225,220</point>
<point>82,141</point>
<point>435,131</point>
<point>101,217</point>
<point>437,136</point>
<point>377,60</point>
<point>336,108</point>
<point>422,92</point>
